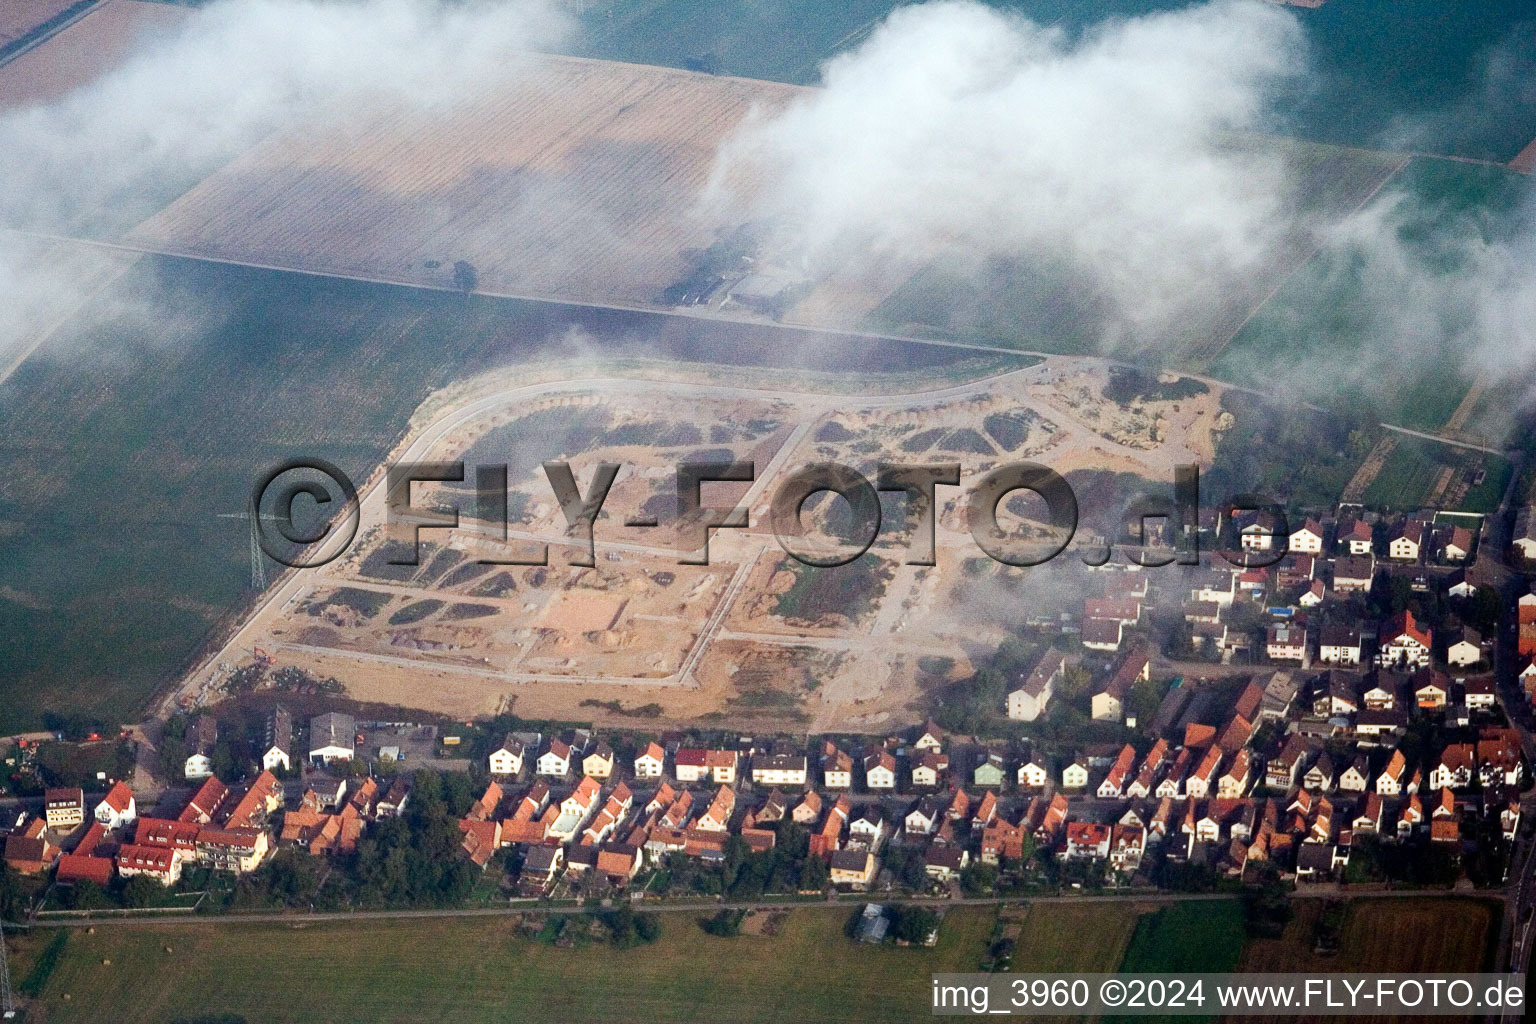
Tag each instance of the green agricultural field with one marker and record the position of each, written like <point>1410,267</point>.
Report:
<point>1041,304</point>
<point>1194,935</point>
<point>134,437</point>
<point>1408,478</point>
<point>480,969</point>
<point>1324,331</point>
<point>1419,72</point>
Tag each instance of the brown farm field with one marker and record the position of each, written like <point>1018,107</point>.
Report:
<point>18,17</point>
<point>1399,935</point>
<point>95,44</point>
<point>578,181</point>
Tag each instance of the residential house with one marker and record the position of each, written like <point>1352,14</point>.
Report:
<point>1455,769</point>
<point>1357,777</point>
<point>779,770</point>
<point>63,809</point>
<point>836,768</point>
<point>1285,642</point>
<point>1108,705</point>
<point>1319,777</point>
<point>1354,574</point>
<point>1086,840</point>
<point>1458,546</point>
<point>1075,775</point>
<point>722,765</point>
<point>690,764</point>
<point>1198,784</point>
<point>1033,772</point>
<point>867,829</point>
<point>599,763</point>
<point>1430,688</point>
<point>990,772</point>
<point>1356,537</point>
<point>1481,693</point>
<point>1406,541</point>
<point>1286,767</point>
<point>1381,694</point>
<point>880,770</point>
<point>1403,643</point>
<point>1308,538</point>
<point>854,869</point>
<point>1315,594</point>
<point>1127,844</point>
<point>1466,648</point>
<point>1279,693</point>
<point>278,751</point>
<point>945,863</point>
<point>555,762</point>
<point>1029,699</point>
<point>808,810</point>
<point>1101,635</point>
<point>928,768</point>
<point>117,809</point>
<point>651,763</point>
<point>929,738</point>
<point>507,759</point>
<point>202,738</point>
<point>1119,775</point>
<point>1234,781</point>
<point>1339,645</point>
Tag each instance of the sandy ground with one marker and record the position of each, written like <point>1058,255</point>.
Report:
<point>91,46</point>
<point>704,643</point>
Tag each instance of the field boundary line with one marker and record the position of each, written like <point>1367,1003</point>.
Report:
<point>1322,244</point>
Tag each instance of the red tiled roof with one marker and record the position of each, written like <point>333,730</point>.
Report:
<point>75,867</point>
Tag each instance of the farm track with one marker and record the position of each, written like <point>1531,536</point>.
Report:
<point>1366,475</point>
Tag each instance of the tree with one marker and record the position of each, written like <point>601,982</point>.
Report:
<point>647,927</point>
<point>814,874</point>
<point>140,891</point>
<point>465,277</point>
<point>12,903</point>
<point>86,895</point>
<point>913,923</point>
<point>979,879</point>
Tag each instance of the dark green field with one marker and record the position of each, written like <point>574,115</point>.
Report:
<point>155,410</point>
<point>1332,327</point>
<point>1412,74</point>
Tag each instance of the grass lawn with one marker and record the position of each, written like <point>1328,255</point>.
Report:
<point>1067,938</point>
<point>479,970</point>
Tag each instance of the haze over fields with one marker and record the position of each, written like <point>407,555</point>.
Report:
<point>1113,165</point>
<point>1232,187</point>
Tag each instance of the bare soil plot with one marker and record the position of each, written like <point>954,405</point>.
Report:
<point>84,51</point>
<point>578,182</point>
<point>18,17</point>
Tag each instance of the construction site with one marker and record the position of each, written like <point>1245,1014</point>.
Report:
<point>753,636</point>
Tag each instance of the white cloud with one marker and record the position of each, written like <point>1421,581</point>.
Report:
<point>962,129</point>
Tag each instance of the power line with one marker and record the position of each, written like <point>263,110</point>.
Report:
<point>7,1002</point>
